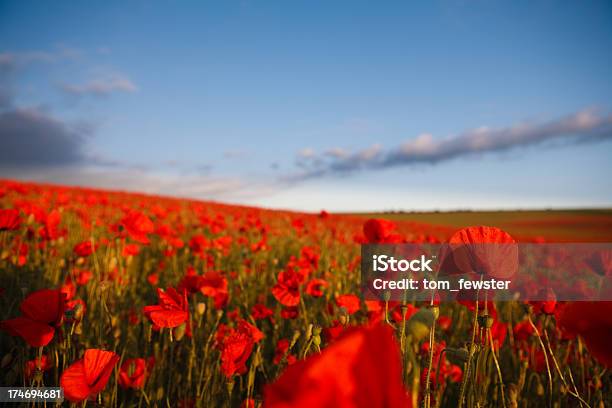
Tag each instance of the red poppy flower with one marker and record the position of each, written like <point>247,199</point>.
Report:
<point>287,289</point>
<point>172,310</point>
<point>314,287</point>
<point>86,377</point>
<point>349,302</point>
<point>42,312</point>
<point>361,369</point>
<point>138,226</point>
<point>484,250</point>
<point>236,349</point>
<point>260,312</point>
<point>289,312</point>
<point>378,231</point>
<point>134,372</point>
<point>593,322</point>
<point>213,284</point>
<point>9,220</point>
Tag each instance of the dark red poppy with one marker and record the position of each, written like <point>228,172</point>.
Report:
<point>42,312</point>
<point>360,369</point>
<point>9,220</point>
<point>134,372</point>
<point>86,377</point>
<point>593,322</point>
<point>172,310</point>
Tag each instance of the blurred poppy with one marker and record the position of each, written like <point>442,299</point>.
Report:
<point>593,322</point>
<point>361,369</point>
<point>350,303</point>
<point>43,364</point>
<point>9,220</point>
<point>134,372</point>
<point>138,226</point>
<point>379,231</point>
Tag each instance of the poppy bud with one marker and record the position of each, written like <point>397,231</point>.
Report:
<point>344,319</point>
<point>179,331</point>
<point>485,321</point>
<point>200,308</point>
<point>420,323</point>
<point>316,330</point>
<point>78,329</point>
<point>316,340</point>
<point>436,311</point>
<point>540,390</point>
<point>309,331</point>
<point>159,395</point>
<point>294,339</point>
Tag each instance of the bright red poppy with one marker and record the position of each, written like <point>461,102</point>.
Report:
<point>484,250</point>
<point>314,287</point>
<point>349,302</point>
<point>362,368</point>
<point>42,312</point>
<point>172,310</point>
<point>86,377</point>
<point>287,289</point>
<point>138,226</point>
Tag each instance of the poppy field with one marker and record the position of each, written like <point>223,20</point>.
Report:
<point>129,300</point>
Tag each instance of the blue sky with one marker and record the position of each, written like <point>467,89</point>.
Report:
<point>310,105</point>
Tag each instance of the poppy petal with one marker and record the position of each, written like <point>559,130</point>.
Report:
<point>45,305</point>
<point>98,368</point>
<point>169,318</point>
<point>74,382</point>
<point>36,334</point>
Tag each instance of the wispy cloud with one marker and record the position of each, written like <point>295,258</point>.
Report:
<point>101,86</point>
<point>581,127</point>
<point>13,59</point>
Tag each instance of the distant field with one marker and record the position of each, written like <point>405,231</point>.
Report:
<point>560,225</point>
